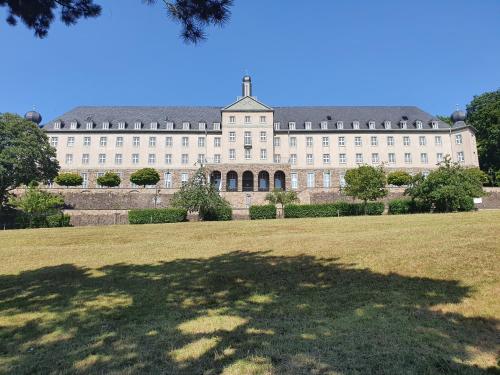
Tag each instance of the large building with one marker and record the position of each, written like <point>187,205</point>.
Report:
<point>249,146</point>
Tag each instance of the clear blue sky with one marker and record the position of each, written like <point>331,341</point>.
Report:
<point>428,53</point>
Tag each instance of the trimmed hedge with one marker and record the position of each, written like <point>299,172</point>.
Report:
<point>340,208</point>
<point>267,211</point>
<point>223,213</point>
<point>407,206</point>
<point>158,215</point>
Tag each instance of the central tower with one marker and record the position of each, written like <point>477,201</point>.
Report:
<point>246,86</point>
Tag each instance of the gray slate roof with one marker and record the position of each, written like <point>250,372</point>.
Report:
<point>209,115</point>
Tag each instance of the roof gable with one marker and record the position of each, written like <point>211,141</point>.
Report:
<point>247,103</point>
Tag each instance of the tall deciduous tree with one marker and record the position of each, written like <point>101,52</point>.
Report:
<point>25,154</point>
<point>366,183</point>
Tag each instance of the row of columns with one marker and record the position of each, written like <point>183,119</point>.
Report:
<point>248,180</point>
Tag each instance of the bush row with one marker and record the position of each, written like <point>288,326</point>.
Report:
<point>50,221</point>
<point>340,208</point>
<point>267,211</point>
<point>158,215</point>
<point>407,206</point>
<point>222,213</point>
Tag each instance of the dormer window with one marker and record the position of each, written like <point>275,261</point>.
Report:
<point>105,125</point>
<point>121,125</point>
<point>153,125</point>
<point>202,125</point>
<point>371,125</point>
<point>435,124</point>
<point>276,126</point>
<point>324,125</point>
<point>137,125</point>
<point>185,125</point>
<point>419,124</point>
<point>216,125</point>
<point>291,125</point>
<point>340,125</point>
<point>89,125</point>
<point>73,125</point>
<point>403,124</point>
<point>57,125</point>
<point>387,125</point>
<point>355,125</point>
<point>308,125</point>
<point>170,125</point>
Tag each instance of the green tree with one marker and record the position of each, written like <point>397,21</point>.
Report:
<point>68,179</point>
<point>446,119</point>
<point>450,187</point>
<point>477,174</point>
<point>36,203</point>
<point>281,197</point>
<point>398,178</point>
<point>199,195</point>
<point>483,112</point>
<point>366,183</point>
<point>145,176</point>
<point>109,179</point>
<point>25,154</point>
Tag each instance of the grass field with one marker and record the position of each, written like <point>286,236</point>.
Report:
<point>399,295</point>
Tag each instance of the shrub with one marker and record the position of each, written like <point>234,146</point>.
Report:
<point>267,211</point>
<point>145,176</point>
<point>407,206</point>
<point>157,215</point>
<point>109,179</point>
<point>58,220</point>
<point>466,204</point>
<point>220,213</point>
<point>375,208</point>
<point>24,220</point>
<point>340,208</point>
<point>68,179</point>
<point>398,178</point>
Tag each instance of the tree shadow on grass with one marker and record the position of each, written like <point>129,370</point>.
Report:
<point>237,313</point>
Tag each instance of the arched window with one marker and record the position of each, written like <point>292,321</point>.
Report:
<point>263,178</point>
<point>216,179</point>
<point>279,180</point>
<point>247,181</point>
<point>232,181</point>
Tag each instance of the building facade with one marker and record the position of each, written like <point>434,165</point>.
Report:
<point>250,147</point>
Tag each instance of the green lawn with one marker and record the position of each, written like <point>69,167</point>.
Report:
<point>399,295</point>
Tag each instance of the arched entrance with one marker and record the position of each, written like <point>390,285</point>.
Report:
<point>279,180</point>
<point>247,181</point>
<point>216,179</point>
<point>263,179</point>
<point>232,181</point>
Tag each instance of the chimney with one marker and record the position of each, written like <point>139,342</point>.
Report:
<point>246,86</point>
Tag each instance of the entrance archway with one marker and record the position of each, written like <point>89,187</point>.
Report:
<point>232,181</point>
<point>279,180</point>
<point>263,178</point>
<point>247,182</point>
<point>216,179</point>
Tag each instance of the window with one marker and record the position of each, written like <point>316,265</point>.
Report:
<point>247,138</point>
<point>201,158</point>
<point>232,136</point>
<point>419,124</point>
<point>232,119</point>
<point>151,159</point>
<point>375,158</point>
<point>460,156</point>
<point>407,158</point>
<point>342,158</point>
<point>169,141</point>
<point>168,159</point>
<point>387,125</point>
<point>422,141</point>
<point>277,141</point>
<point>121,125</point>
<point>184,158</point>
<point>277,158</point>
<point>152,141</point>
<point>201,141</point>
<point>310,180</point>
<point>435,124</point>
<point>308,125</point>
<point>99,174</point>
<point>263,136</point>
<point>340,125</point>
<point>342,182</point>
<point>291,125</point>
<point>247,119</point>
<point>309,141</point>
<point>54,141</point>
<point>293,159</point>
<point>71,142</point>
<point>390,140</point>
<point>374,141</point>
<point>326,180</point>
<point>232,154</point>
<point>118,159</point>
<point>355,125</point>
<point>248,154</point>
<point>403,124</point>
<point>136,141</point>
<point>57,125</point>
<point>263,154</point>
<point>90,125</point>
<point>217,126</point>
<point>73,125</point>
<point>85,180</point>
<point>326,158</point>
<point>105,125</point>
<point>184,178</point>
<point>135,158</point>
<point>169,125</point>
<point>185,125</point>
<point>202,125</point>
<point>406,141</point>
<point>119,141</point>
<point>439,157</point>
<point>437,140</point>
<point>295,180</point>
<point>185,141</point>
<point>357,141</point>
<point>262,119</point>
<point>309,158</point>
<point>168,180</point>
<point>293,141</point>
<point>324,125</point>
<point>137,125</point>
<point>423,158</point>
<point>217,158</point>
<point>371,125</point>
<point>276,126</point>
<point>85,158</point>
<point>153,126</point>
<point>103,141</point>
<point>341,141</point>
<point>458,139</point>
<point>391,157</point>
<point>69,159</point>
<point>359,158</point>
<point>102,158</point>
<point>325,141</point>
<point>86,141</point>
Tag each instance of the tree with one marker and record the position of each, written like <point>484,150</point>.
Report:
<point>281,197</point>
<point>25,154</point>
<point>109,179</point>
<point>37,203</point>
<point>145,176</point>
<point>451,187</point>
<point>199,195</point>
<point>366,183</point>
<point>483,112</point>
<point>478,174</point>
<point>68,179</point>
<point>193,15</point>
<point>398,178</point>
<point>446,119</point>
